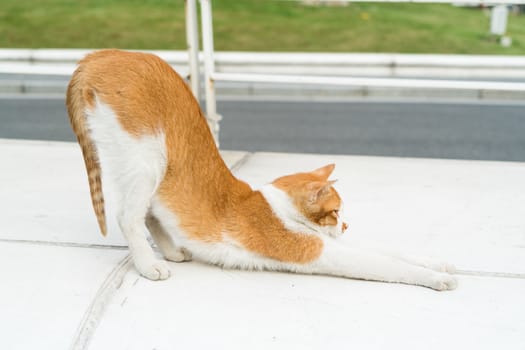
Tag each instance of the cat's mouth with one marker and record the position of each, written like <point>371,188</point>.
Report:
<point>339,229</point>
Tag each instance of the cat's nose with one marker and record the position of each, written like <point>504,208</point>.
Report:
<point>345,226</point>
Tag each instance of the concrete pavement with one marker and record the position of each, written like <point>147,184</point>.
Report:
<point>65,286</point>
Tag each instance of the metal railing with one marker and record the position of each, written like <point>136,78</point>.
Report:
<point>393,65</point>
<point>211,75</point>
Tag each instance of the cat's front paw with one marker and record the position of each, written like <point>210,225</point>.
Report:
<point>154,270</point>
<point>179,255</point>
<point>443,281</point>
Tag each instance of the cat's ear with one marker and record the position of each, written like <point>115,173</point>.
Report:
<point>324,172</point>
<point>318,189</point>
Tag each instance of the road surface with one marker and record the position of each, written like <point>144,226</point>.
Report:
<point>485,131</point>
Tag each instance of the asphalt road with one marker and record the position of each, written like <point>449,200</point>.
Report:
<point>488,131</point>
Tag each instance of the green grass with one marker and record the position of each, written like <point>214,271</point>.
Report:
<point>255,25</point>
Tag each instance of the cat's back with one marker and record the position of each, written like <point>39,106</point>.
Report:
<point>142,89</point>
<point>124,73</point>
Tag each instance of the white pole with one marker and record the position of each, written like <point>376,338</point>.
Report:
<point>192,39</point>
<point>498,20</point>
<point>209,69</point>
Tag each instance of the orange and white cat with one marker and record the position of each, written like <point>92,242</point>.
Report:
<point>137,121</point>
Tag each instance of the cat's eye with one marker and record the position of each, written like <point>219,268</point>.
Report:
<point>336,212</point>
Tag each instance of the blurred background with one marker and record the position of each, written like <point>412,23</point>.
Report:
<point>40,41</point>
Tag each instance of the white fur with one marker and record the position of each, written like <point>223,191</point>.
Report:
<point>136,167</point>
<point>292,219</point>
<point>340,260</point>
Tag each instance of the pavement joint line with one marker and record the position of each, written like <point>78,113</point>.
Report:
<point>490,274</point>
<point>93,315</point>
<point>241,162</point>
<point>462,272</point>
<point>64,244</point>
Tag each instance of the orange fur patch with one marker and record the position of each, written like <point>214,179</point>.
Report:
<point>256,228</point>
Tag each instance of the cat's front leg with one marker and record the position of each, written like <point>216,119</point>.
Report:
<point>339,260</point>
<point>134,203</point>
<point>429,263</point>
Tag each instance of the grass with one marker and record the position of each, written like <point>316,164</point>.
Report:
<point>255,25</point>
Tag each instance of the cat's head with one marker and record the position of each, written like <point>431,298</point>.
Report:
<point>317,204</point>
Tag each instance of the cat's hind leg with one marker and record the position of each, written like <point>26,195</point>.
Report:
<point>164,241</point>
<point>134,206</point>
<point>135,165</point>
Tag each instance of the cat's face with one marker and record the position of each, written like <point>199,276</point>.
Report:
<point>316,200</point>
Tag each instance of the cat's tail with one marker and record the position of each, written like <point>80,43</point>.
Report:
<point>76,102</point>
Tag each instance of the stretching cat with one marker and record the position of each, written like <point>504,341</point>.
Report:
<point>137,119</point>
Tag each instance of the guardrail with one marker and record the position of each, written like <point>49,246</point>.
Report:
<point>63,61</point>
<point>211,75</point>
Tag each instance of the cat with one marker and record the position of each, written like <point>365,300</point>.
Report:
<point>136,119</point>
